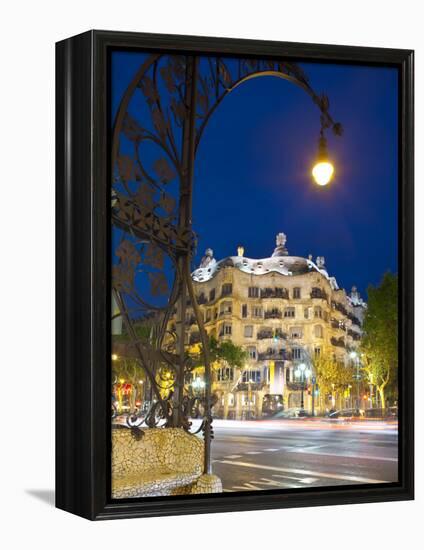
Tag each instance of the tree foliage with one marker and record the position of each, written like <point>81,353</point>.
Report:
<point>379,344</point>
<point>227,352</point>
<point>331,375</point>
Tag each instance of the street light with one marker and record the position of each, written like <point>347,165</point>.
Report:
<point>198,384</point>
<point>323,169</point>
<point>302,372</point>
<point>354,356</point>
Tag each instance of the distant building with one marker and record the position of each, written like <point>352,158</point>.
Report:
<point>285,311</point>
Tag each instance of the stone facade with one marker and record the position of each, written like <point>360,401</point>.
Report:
<point>158,462</point>
<point>285,311</point>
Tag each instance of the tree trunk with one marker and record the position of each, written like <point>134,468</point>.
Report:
<point>382,397</point>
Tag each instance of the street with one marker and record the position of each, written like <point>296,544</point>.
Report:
<point>274,454</point>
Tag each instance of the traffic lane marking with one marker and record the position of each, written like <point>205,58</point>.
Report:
<point>269,483</point>
<point>313,451</point>
<point>306,473</point>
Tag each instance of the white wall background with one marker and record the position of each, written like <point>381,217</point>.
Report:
<point>29,30</point>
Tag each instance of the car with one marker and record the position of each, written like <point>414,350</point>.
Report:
<point>294,412</point>
<point>392,412</point>
<point>272,403</point>
<point>389,412</point>
<point>346,413</point>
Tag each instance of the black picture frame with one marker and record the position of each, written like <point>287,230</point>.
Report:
<point>83,275</point>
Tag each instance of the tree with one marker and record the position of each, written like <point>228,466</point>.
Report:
<point>220,353</point>
<point>379,344</point>
<point>332,376</point>
<point>227,352</point>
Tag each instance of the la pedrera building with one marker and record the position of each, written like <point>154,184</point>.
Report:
<point>285,311</point>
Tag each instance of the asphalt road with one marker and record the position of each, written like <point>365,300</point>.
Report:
<point>299,453</point>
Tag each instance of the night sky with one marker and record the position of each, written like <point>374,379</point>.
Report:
<point>252,177</point>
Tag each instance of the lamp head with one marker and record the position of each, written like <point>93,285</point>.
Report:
<point>323,169</point>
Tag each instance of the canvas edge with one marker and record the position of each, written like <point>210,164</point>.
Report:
<point>82,232</point>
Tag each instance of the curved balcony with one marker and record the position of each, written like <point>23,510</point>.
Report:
<point>273,354</point>
<point>340,308</point>
<point>273,314</point>
<point>319,294</point>
<point>338,342</point>
<point>264,334</point>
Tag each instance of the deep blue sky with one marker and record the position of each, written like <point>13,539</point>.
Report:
<point>252,177</point>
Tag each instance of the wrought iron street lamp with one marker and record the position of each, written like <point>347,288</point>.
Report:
<point>178,94</point>
<point>303,373</point>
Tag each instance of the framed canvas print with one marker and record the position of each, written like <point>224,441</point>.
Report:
<point>234,275</point>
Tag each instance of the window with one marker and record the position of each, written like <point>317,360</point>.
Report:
<point>287,375</point>
<point>225,374</point>
<point>252,376</point>
<point>318,312</point>
<point>226,329</point>
<point>248,331</point>
<point>212,295</point>
<point>251,350</point>
<point>253,292</point>
<point>296,292</point>
<point>318,331</point>
<point>297,353</point>
<point>289,312</point>
<point>317,353</point>
<point>208,315</point>
<point>225,307</point>
<point>281,293</point>
<point>296,332</point>
<point>257,311</point>
<point>227,289</point>
<point>244,311</point>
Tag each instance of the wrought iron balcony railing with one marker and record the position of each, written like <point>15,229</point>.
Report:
<point>274,314</point>
<point>263,334</point>
<point>274,293</point>
<point>319,294</point>
<point>278,355</point>
<point>296,386</point>
<point>339,307</point>
<point>354,319</point>
<point>339,342</point>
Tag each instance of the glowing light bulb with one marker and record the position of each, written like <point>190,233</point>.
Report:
<point>322,172</point>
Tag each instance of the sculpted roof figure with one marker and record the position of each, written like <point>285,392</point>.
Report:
<point>280,249</point>
<point>207,258</point>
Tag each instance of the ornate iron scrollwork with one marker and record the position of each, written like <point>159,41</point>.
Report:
<point>157,130</point>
